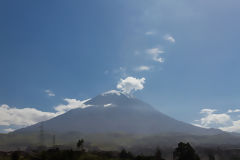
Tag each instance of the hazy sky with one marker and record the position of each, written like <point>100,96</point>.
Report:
<point>185,54</point>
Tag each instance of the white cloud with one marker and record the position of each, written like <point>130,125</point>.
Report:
<point>112,92</point>
<point>223,121</point>
<point>169,38</point>
<point>142,68</point>
<point>160,59</point>
<point>49,93</point>
<point>207,111</point>
<point>233,111</point>
<point>235,127</point>
<point>71,104</point>
<point>23,116</point>
<point>7,130</point>
<point>212,119</point>
<point>155,52</point>
<point>130,84</point>
<point>198,125</point>
<point>150,33</point>
<point>108,105</point>
<point>215,119</point>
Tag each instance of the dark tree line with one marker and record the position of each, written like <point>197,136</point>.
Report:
<point>184,151</point>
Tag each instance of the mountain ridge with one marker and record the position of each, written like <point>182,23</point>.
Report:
<point>113,120</point>
<point>113,112</point>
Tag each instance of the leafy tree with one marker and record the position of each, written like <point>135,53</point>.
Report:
<point>184,151</point>
<point>125,155</point>
<point>158,154</point>
<point>80,144</point>
<point>211,157</point>
<point>15,155</point>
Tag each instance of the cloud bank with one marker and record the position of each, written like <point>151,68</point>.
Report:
<point>223,121</point>
<point>7,130</point>
<point>233,111</point>
<point>22,117</point>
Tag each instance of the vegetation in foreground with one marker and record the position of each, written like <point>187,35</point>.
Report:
<point>184,151</point>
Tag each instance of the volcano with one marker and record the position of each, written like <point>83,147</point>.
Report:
<point>115,112</point>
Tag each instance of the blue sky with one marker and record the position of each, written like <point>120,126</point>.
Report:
<point>78,49</point>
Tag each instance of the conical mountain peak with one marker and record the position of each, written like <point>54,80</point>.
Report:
<point>114,97</point>
<point>115,112</point>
